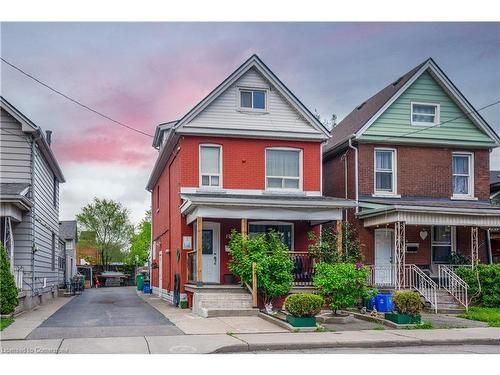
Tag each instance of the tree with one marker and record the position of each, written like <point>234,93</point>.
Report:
<point>140,242</point>
<point>8,289</point>
<point>110,222</point>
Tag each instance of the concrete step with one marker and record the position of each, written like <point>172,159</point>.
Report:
<point>231,312</point>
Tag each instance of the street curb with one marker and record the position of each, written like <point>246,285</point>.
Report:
<point>371,344</point>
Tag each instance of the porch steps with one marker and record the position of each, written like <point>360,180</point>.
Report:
<point>216,302</point>
<point>446,304</point>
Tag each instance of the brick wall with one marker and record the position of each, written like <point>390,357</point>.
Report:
<point>243,161</point>
<point>424,171</point>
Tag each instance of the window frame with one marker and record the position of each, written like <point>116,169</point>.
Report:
<point>453,241</point>
<point>437,115</point>
<point>273,222</point>
<point>300,177</point>
<point>252,109</point>
<point>220,174</point>
<point>470,194</point>
<point>385,193</point>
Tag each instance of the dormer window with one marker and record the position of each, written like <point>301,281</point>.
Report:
<point>426,114</point>
<point>252,99</point>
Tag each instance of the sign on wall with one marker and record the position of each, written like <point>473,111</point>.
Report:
<point>187,242</point>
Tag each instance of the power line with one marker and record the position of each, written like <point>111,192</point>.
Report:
<point>74,100</point>
<point>444,122</point>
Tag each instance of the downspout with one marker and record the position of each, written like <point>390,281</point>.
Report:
<point>356,189</point>
<point>33,230</point>
<point>488,246</point>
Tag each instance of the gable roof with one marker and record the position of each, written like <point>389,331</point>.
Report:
<point>38,135</point>
<point>172,129</point>
<point>361,117</point>
<point>255,62</point>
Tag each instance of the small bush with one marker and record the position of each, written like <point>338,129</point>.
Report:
<point>484,284</point>
<point>304,304</point>
<point>342,284</point>
<point>408,303</point>
<point>8,289</point>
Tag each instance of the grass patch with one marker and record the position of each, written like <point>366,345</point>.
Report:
<point>4,323</point>
<point>490,315</point>
<point>423,325</point>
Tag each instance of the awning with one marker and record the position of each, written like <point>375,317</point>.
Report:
<point>14,200</point>
<point>376,212</point>
<point>265,206</point>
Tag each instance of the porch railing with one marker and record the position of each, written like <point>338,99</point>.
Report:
<point>191,267</point>
<point>303,268</point>
<point>382,276</point>
<point>453,284</point>
<point>417,280</point>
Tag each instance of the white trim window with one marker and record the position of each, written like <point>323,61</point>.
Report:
<point>283,229</point>
<point>385,171</point>
<point>283,169</point>
<point>463,176</point>
<point>210,166</point>
<point>426,114</point>
<point>252,99</point>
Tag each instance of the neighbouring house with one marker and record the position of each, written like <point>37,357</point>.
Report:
<point>495,198</point>
<point>68,233</point>
<point>86,252</point>
<point>29,194</point>
<point>246,158</point>
<point>415,156</point>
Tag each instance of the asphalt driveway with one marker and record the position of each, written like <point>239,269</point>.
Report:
<point>105,312</point>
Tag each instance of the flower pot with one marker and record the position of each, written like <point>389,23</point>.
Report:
<point>299,321</point>
<point>403,318</point>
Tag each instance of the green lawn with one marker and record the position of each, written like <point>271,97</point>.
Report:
<point>4,323</point>
<point>491,315</point>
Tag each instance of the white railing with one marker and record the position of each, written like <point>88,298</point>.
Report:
<point>382,276</point>
<point>18,277</point>
<point>453,284</point>
<point>416,279</point>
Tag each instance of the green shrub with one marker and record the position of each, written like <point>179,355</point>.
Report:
<point>273,265</point>
<point>458,258</point>
<point>341,284</point>
<point>304,304</point>
<point>8,289</point>
<point>408,302</point>
<point>484,284</point>
<point>325,247</point>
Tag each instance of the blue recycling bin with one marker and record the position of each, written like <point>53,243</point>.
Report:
<point>146,288</point>
<point>384,303</point>
<point>372,303</point>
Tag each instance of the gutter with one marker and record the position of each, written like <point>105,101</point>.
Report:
<point>356,171</point>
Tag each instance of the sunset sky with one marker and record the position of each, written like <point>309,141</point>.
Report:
<point>143,74</point>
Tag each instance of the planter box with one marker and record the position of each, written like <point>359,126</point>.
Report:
<point>403,318</point>
<point>298,321</point>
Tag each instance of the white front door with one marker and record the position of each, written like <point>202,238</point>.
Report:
<point>384,250</point>
<point>211,251</point>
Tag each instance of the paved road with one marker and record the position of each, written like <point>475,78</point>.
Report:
<point>105,312</point>
<point>438,349</point>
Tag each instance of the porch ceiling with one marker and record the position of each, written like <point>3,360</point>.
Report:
<point>266,207</point>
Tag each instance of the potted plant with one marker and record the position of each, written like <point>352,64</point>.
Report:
<point>408,306</point>
<point>341,284</point>
<point>302,309</point>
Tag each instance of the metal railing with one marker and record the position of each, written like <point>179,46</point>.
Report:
<point>191,267</point>
<point>382,276</point>
<point>417,280</point>
<point>303,268</point>
<point>453,284</point>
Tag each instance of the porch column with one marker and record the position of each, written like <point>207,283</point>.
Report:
<point>244,227</point>
<point>199,250</point>
<point>474,246</point>
<point>339,237</point>
<point>400,250</point>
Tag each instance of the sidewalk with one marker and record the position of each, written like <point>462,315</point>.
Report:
<point>256,342</point>
<point>25,323</point>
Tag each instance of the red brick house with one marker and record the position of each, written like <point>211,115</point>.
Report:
<point>247,157</point>
<point>415,156</point>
